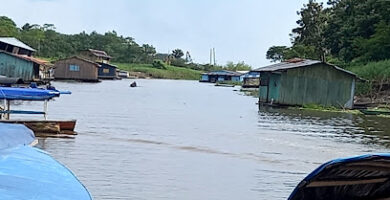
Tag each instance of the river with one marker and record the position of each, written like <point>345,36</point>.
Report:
<point>169,139</point>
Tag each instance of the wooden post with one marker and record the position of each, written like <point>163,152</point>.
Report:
<point>45,109</point>
<point>7,108</point>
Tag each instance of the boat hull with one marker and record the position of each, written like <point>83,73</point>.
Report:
<point>45,127</point>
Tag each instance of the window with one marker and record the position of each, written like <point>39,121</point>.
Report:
<point>106,71</point>
<point>74,68</point>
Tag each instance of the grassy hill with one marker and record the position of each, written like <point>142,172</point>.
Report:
<point>170,72</point>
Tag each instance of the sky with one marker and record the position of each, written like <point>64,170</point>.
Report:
<point>239,30</point>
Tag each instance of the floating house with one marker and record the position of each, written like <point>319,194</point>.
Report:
<point>221,76</point>
<point>16,61</point>
<point>95,55</point>
<point>302,82</point>
<point>76,68</point>
<point>15,46</point>
<point>251,79</point>
<point>22,66</point>
<point>107,71</point>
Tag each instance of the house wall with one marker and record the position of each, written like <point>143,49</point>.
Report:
<point>204,77</point>
<point>320,84</point>
<point>269,92</point>
<point>87,72</point>
<point>236,78</point>
<point>107,71</point>
<point>12,66</point>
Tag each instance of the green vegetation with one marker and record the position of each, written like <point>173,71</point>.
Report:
<point>140,58</point>
<point>52,44</point>
<point>345,31</point>
<point>253,93</point>
<point>327,109</point>
<point>376,74</point>
<point>235,83</point>
<point>170,72</point>
<point>352,34</point>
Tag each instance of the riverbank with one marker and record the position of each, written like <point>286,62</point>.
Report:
<point>149,71</point>
<point>375,88</point>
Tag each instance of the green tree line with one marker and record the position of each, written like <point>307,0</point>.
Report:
<point>341,32</point>
<point>52,44</point>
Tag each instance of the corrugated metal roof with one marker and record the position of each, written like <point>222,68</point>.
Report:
<point>101,63</point>
<point>35,60</point>
<point>99,53</point>
<point>15,42</point>
<point>296,63</point>
<point>224,73</point>
<point>80,58</point>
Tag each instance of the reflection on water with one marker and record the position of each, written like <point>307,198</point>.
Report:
<point>187,140</point>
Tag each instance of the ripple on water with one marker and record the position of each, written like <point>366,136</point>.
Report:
<point>186,140</point>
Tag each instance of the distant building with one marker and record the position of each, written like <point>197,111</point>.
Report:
<point>15,46</point>
<point>107,71</point>
<point>220,76</point>
<point>302,82</point>
<point>123,74</point>
<point>95,56</point>
<point>76,68</point>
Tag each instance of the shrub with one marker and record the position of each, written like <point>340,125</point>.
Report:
<point>159,64</point>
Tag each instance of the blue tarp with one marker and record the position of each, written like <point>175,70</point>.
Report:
<point>13,135</point>
<point>358,177</point>
<point>12,93</point>
<point>30,173</point>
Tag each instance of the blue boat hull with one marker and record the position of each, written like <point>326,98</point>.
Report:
<point>30,173</point>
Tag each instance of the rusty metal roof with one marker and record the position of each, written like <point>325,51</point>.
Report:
<point>15,42</point>
<point>35,60</point>
<point>79,58</point>
<point>99,53</point>
<point>296,63</point>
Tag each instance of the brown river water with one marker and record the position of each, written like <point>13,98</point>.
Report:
<point>172,139</point>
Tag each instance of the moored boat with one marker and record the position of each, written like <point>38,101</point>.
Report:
<point>41,127</point>
<point>375,112</point>
<point>360,177</point>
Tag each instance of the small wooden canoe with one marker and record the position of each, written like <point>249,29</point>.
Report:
<point>223,85</point>
<point>375,112</point>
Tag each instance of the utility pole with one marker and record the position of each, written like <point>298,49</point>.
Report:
<point>211,56</point>
<point>215,63</point>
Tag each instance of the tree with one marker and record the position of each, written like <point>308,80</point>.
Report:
<point>7,27</point>
<point>177,53</point>
<point>377,47</point>
<point>240,66</point>
<point>352,21</point>
<point>277,53</point>
<point>311,27</point>
<point>282,53</point>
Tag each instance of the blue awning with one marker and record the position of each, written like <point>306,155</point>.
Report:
<point>11,93</point>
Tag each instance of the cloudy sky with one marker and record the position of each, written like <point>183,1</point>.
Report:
<point>239,30</point>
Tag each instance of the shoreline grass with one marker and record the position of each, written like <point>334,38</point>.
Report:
<point>170,72</point>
